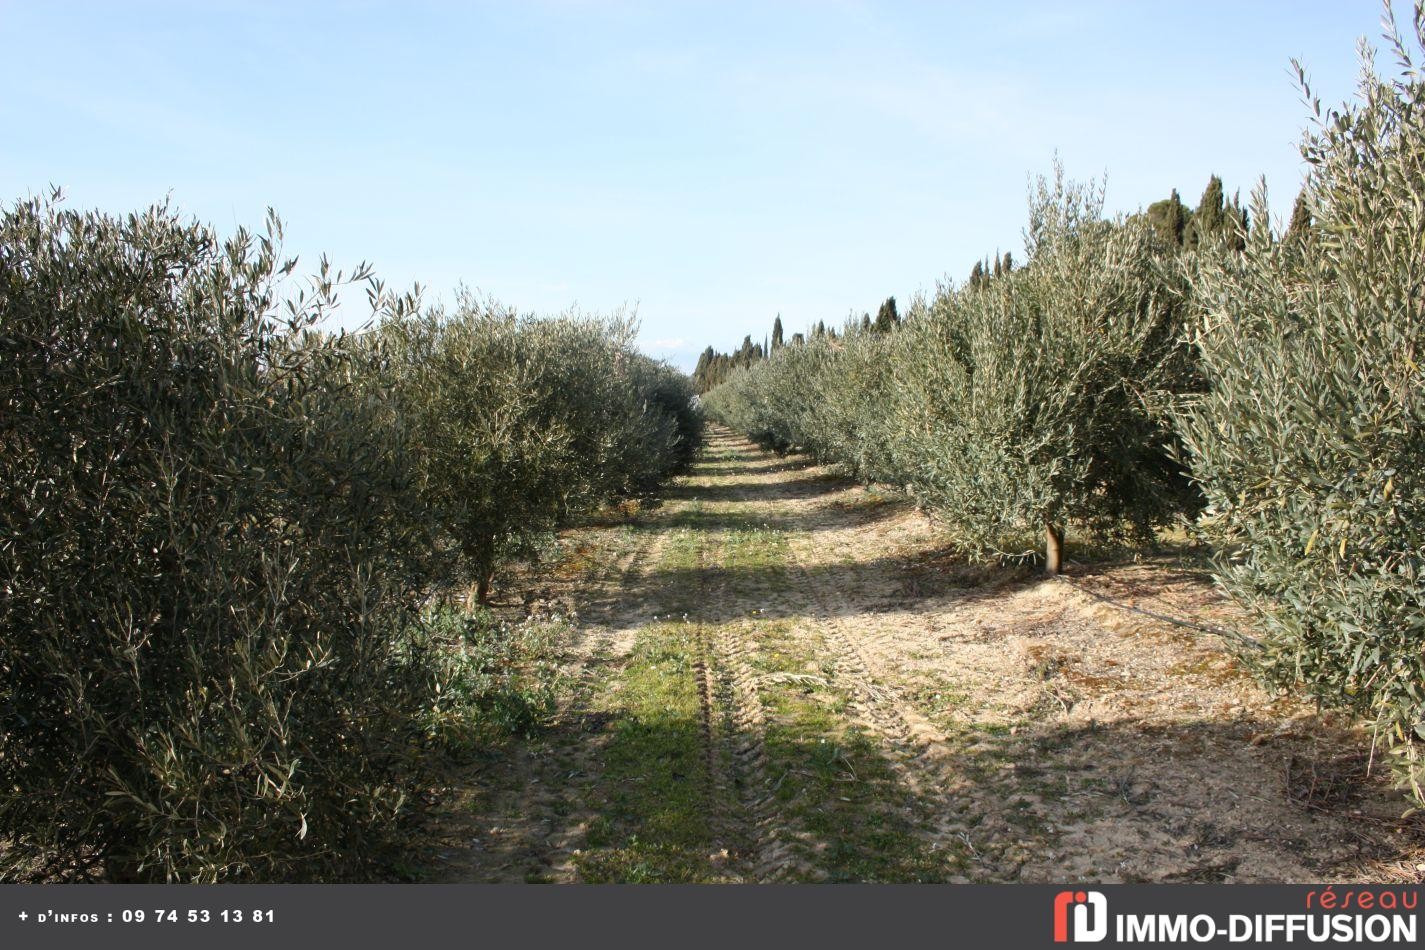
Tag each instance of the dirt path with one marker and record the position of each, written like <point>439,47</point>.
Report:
<point>778,675</point>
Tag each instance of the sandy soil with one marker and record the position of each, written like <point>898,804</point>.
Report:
<point>1030,730</point>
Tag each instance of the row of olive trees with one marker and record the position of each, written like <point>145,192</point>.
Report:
<point>1272,387</point>
<point>1011,408</point>
<point>219,527</point>
<point>515,423</point>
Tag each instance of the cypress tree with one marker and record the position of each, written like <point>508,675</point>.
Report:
<point>1210,219</point>
<point>887,317</point>
<point>705,375</point>
<point>1169,219</point>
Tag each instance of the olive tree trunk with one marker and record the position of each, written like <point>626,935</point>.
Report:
<point>1053,549</point>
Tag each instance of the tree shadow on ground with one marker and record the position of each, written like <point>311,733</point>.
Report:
<point>656,799</point>
<point>1173,564</point>
<point>820,517</point>
<point>796,464</point>
<point>1197,800</point>
<point>1133,801</point>
<point>718,594</point>
<point>754,491</point>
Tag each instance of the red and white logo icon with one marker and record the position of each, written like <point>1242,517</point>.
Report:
<point>1089,923</point>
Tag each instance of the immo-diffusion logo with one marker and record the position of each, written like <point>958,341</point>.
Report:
<point>1088,922</point>
<point>1354,916</point>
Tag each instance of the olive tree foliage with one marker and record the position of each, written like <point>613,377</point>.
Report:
<point>1019,405</point>
<point>220,527</point>
<point>1310,442</point>
<point>210,556</point>
<point>1028,403</point>
<point>516,423</point>
<point>825,395</point>
<point>669,395</point>
<point>856,432</point>
<point>771,400</point>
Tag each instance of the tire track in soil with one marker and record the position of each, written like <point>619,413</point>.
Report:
<point>770,857</point>
<point>773,854</point>
<point>914,750</point>
<point>518,833</point>
<point>734,730</point>
<point>609,640</point>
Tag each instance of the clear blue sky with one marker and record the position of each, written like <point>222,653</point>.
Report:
<point>714,164</point>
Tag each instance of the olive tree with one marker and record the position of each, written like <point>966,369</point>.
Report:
<point>1027,403</point>
<point>1310,442</point>
<point>210,559</point>
<point>515,423</point>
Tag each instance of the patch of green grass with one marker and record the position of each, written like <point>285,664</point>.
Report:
<point>655,798</point>
<point>938,699</point>
<point>834,786</point>
<point>656,823</point>
<point>832,779</point>
<point>698,515</point>
<point>755,546</point>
